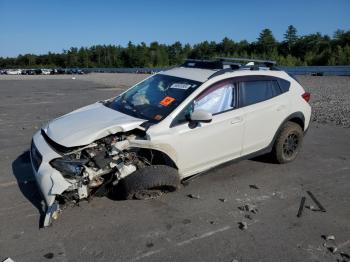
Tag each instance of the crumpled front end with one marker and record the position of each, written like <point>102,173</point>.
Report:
<point>49,180</point>
<point>70,175</point>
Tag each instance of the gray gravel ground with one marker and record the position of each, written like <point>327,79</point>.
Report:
<point>330,98</point>
<point>101,79</point>
<point>174,227</point>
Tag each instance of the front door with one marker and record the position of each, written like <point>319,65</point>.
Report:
<point>209,144</point>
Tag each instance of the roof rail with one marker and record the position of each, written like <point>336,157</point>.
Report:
<point>224,65</point>
<point>202,63</point>
<point>236,59</point>
<point>268,63</point>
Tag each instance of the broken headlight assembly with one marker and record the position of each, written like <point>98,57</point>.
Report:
<point>69,168</point>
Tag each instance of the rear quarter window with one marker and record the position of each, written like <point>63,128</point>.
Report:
<point>284,85</point>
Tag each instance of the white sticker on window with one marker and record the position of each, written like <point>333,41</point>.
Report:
<point>180,86</point>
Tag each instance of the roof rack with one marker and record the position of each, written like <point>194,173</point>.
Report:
<point>267,63</point>
<point>228,64</point>
<point>203,63</point>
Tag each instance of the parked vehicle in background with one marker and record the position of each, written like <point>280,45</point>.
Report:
<point>74,71</point>
<point>46,71</point>
<point>38,71</point>
<point>31,72</point>
<point>58,71</point>
<point>2,71</point>
<point>28,72</point>
<point>13,71</point>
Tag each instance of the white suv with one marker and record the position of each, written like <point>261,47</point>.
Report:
<point>170,126</point>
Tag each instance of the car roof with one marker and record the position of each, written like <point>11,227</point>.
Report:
<point>203,75</point>
<point>196,74</point>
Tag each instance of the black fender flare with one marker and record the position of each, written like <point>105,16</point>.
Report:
<point>297,117</point>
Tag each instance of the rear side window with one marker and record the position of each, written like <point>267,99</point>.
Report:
<point>284,85</point>
<point>276,90</point>
<point>253,92</point>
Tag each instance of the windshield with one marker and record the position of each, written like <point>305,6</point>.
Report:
<point>154,98</point>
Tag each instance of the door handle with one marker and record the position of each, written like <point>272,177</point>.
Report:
<point>236,120</point>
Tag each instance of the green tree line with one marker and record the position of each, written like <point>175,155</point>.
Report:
<point>293,50</point>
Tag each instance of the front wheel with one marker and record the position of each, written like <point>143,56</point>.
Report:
<point>150,182</point>
<point>288,143</point>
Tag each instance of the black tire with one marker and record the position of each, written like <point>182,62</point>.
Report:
<point>288,143</point>
<point>150,182</point>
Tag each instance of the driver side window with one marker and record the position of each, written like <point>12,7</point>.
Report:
<point>216,99</point>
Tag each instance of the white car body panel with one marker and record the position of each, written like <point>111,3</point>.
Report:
<point>252,143</point>
<point>205,146</point>
<point>49,180</point>
<point>196,74</point>
<point>262,121</point>
<point>230,135</point>
<point>89,123</point>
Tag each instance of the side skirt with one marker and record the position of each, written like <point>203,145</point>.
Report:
<point>260,152</point>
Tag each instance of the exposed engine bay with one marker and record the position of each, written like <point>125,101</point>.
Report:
<point>95,168</point>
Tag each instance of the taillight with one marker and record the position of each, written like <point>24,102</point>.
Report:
<point>306,96</point>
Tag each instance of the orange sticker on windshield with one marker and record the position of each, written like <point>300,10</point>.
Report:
<point>167,101</point>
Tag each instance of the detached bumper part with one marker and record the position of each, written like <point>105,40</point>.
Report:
<point>51,213</point>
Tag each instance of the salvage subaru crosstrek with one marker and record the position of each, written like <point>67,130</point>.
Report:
<point>172,125</point>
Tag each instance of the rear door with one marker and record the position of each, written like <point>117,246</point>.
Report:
<point>265,108</point>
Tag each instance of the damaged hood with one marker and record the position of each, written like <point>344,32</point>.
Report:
<point>87,124</point>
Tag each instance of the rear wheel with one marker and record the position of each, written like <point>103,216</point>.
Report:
<point>288,143</point>
<point>150,182</point>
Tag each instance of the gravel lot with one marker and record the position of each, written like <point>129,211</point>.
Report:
<point>176,227</point>
<point>330,98</point>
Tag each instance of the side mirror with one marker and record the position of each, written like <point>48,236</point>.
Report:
<point>201,116</point>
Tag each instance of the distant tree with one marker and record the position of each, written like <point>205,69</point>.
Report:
<point>341,56</point>
<point>290,37</point>
<point>342,37</point>
<point>311,49</point>
<point>203,50</point>
<point>227,47</point>
<point>175,52</point>
<point>266,42</point>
